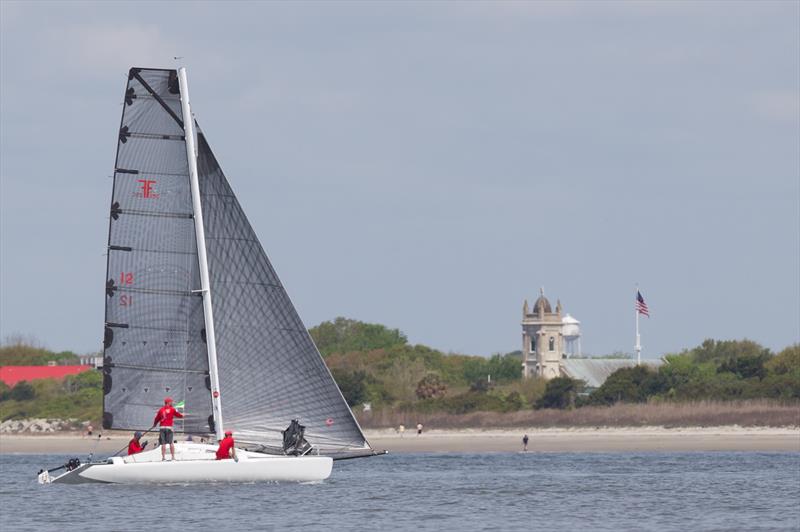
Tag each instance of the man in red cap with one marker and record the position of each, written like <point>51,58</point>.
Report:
<point>164,419</point>
<point>226,447</point>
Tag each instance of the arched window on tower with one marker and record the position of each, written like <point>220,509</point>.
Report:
<point>533,344</point>
<point>552,344</point>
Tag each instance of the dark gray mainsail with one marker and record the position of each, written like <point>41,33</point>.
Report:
<point>154,332</point>
<point>270,371</point>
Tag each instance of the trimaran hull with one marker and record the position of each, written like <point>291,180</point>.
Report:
<point>196,463</point>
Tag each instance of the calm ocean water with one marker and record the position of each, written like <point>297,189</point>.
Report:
<point>587,491</point>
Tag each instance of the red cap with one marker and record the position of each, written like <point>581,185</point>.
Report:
<point>229,432</point>
<point>167,400</point>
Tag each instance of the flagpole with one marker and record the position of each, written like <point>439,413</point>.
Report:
<point>638,346</point>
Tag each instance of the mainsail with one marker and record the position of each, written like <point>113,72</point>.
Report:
<point>269,370</point>
<point>154,332</point>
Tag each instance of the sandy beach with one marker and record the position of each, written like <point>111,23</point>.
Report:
<point>642,439</point>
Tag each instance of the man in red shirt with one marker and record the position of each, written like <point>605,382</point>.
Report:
<point>226,447</point>
<point>134,446</point>
<point>164,419</point>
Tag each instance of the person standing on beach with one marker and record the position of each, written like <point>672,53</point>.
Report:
<point>164,419</point>
<point>525,443</point>
<point>419,429</point>
<point>401,429</point>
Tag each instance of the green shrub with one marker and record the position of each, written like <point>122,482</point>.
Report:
<point>559,393</point>
<point>22,391</point>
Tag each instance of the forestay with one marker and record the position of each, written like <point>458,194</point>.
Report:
<point>154,334</point>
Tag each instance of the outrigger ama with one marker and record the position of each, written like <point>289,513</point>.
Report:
<point>195,310</point>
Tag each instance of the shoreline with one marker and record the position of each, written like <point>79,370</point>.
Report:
<point>601,439</point>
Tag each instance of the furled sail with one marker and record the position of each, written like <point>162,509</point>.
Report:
<point>154,333</point>
<point>270,371</point>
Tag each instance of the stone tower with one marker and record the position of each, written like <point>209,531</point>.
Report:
<point>542,339</point>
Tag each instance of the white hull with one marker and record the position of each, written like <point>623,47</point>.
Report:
<point>196,462</point>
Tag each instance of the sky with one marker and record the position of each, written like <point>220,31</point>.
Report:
<point>429,166</point>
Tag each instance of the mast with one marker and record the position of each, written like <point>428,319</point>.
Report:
<point>199,231</point>
<point>638,346</point>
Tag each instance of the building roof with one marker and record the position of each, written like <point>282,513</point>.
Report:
<point>595,371</point>
<point>13,374</point>
<point>547,307</point>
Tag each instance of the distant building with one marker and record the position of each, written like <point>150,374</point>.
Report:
<point>551,339</point>
<point>91,360</point>
<point>11,375</point>
<point>542,339</point>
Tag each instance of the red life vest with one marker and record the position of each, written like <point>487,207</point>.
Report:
<point>225,447</point>
<point>134,447</point>
<point>165,416</point>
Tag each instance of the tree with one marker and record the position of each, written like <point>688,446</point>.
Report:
<point>559,393</point>
<point>505,368</point>
<point>631,385</point>
<point>746,366</point>
<point>431,387</point>
<point>343,335</point>
<point>22,391</point>
<point>719,351</point>
<point>786,361</point>
<point>352,385</point>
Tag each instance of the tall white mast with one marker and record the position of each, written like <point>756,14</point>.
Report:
<point>200,235</point>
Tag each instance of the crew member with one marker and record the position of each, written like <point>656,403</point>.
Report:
<point>226,447</point>
<point>164,419</point>
<point>134,446</point>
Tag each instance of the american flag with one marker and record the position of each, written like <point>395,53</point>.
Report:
<point>641,306</point>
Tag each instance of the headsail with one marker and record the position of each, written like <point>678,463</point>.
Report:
<point>270,371</point>
<point>154,336</point>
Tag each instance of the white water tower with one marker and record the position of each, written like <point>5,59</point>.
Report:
<point>571,331</point>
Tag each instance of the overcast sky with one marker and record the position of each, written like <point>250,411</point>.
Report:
<point>430,166</point>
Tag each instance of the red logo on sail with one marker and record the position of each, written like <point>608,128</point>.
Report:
<point>146,189</point>
<point>329,421</point>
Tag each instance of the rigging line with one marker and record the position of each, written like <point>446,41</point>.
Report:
<point>153,368</point>
<point>146,328</point>
<point>156,214</point>
<point>165,98</point>
<point>143,250</point>
<point>156,136</point>
<point>212,237</point>
<point>158,98</point>
<point>149,172</point>
<point>209,195</point>
<point>249,283</point>
<point>156,291</point>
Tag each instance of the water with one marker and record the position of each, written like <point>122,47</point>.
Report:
<point>465,492</point>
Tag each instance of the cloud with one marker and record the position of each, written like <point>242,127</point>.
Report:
<point>99,48</point>
<point>778,105</point>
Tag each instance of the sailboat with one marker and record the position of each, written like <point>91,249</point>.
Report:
<point>194,310</point>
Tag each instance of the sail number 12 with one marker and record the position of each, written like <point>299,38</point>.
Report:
<point>125,278</point>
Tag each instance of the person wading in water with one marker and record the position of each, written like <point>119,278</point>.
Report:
<point>525,443</point>
<point>164,419</point>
